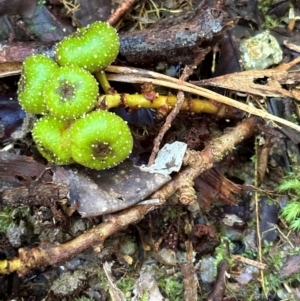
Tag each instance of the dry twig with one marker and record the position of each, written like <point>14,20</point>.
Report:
<point>180,100</point>
<point>218,291</point>
<point>122,9</point>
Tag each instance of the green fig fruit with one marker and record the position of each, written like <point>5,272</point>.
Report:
<point>100,140</point>
<point>71,92</point>
<point>36,71</point>
<point>93,47</point>
<point>53,139</point>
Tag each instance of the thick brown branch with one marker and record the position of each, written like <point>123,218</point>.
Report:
<point>199,162</point>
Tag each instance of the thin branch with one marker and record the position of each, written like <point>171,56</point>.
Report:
<point>180,100</point>
<point>121,10</point>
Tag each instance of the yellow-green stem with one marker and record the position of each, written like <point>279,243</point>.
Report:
<point>165,102</point>
<point>104,83</point>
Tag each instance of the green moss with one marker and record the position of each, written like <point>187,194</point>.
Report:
<point>291,212</point>
<point>126,284</point>
<point>270,22</point>
<point>9,216</point>
<point>171,286</point>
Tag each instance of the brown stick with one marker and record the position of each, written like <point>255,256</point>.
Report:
<point>197,162</point>
<point>220,285</point>
<point>180,100</point>
<point>121,10</point>
<point>189,280</point>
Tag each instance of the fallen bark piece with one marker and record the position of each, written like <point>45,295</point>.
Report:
<point>106,191</point>
<point>16,170</point>
<point>38,194</point>
<point>212,186</point>
<point>147,285</point>
<point>179,42</point>
<point>290,267</point>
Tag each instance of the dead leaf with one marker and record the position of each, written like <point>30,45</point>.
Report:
<point>247,81</point>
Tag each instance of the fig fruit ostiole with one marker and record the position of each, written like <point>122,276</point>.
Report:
<point>70,92</point>
<point>100,140</point>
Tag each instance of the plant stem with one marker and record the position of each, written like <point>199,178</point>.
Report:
<point>161,102</point>
<point>101,77</point>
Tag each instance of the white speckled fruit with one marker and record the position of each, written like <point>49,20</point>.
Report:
<point>52,138</point>
<point>71,92</point>
<point>100,140</point>
<point>93,47</point>
<point>36,71</point>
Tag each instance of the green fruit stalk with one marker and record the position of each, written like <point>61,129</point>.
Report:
<point>93,47</point>
<point>100,140</point>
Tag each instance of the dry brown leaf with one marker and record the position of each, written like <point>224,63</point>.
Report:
<point>247,81</point>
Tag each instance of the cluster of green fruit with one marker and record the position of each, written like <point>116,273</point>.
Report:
<point>65,91</point>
